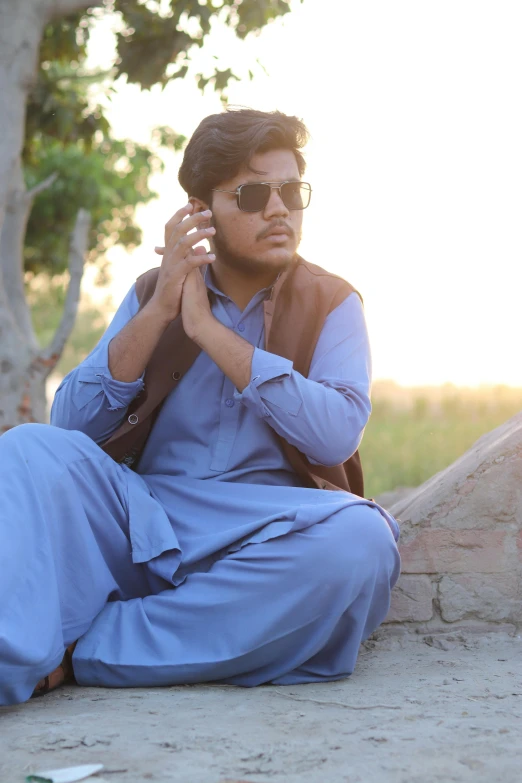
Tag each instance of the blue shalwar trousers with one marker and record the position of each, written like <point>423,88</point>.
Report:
<point>166,580</point>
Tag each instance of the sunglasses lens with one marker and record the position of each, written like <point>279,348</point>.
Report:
<point>254,197</point>
<point>296,195</point>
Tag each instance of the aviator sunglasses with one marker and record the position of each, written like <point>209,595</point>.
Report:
<point>254,196</point>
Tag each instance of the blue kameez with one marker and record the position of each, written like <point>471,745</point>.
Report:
<point>212,562</point>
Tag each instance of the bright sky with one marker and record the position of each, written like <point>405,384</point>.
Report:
<point>416,164</point>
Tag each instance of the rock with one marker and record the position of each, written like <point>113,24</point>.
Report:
<point>436,551</point>
<point>438,643</point>
<point>474,483</point>
<point>483,596</point>
<point>462,531</point>
<point>412,599</point>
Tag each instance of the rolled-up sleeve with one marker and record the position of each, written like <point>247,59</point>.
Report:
<point>89,398</point>
<point>323,415</point>
<point>266,368</point>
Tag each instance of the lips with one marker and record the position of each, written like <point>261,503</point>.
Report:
<point>278,232</point>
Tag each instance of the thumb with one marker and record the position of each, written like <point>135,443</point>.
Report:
<point>159,250</point>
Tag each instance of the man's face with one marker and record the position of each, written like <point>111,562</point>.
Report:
<point>258,241</point>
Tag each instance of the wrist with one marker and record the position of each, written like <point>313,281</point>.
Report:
<point>159,313</point>
<point>204,330</point>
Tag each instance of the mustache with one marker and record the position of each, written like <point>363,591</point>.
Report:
<point>279,223</point>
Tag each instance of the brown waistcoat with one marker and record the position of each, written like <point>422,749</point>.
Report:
<point>294,315</point>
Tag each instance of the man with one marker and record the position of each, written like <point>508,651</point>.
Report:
<point>229,393</point>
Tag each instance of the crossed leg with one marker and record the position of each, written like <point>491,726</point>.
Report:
<point>291,609</point>
<point>288,610</point>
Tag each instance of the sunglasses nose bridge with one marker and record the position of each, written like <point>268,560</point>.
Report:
<point>280,202</point>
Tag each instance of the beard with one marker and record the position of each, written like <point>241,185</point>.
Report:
<point>250,265</point>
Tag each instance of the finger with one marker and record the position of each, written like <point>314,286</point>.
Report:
<point>178,216</point>
<point>191,278</point>
<point>195,261</point>
<point>199,250</point>
<point>190,240</point>
<point>161,250</point>
<point>174,231</point>
<point>176,219</point>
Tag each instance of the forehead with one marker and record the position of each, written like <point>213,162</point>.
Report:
<point>271,166</point>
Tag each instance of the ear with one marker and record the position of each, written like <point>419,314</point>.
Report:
<point>198,204</point>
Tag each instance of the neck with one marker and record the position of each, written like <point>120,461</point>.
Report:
<point>241,287</point>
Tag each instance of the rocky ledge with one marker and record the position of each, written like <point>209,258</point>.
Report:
<point>461,540</point>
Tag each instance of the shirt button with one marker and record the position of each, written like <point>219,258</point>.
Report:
<point>133,419</point>
<point>176,376</point>
<point>241,327</point>
<point>229,403</point>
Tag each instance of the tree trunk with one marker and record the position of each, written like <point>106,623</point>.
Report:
<point>21,26</point>
<point>22,379</point>
<point>23,367</point>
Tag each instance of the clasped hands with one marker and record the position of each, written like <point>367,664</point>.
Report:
<point>180,287</point>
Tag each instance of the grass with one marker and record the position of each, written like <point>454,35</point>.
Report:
<point>414,433</point>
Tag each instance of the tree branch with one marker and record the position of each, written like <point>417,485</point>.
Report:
<point>12,237</point>
<point>77,250</point>
<point>43,185</point>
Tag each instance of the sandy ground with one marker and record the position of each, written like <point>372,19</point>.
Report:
<point>417,709</point>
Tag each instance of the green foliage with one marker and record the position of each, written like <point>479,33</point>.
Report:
<point>220,79</point>
<point>58,105</point>
<point>59,109</point>
<point>109,179</point>
<point>151,42</point>
<point>65,40</point>
<point>410,439</point>
<point>251,15</point>
<point>67,134</point>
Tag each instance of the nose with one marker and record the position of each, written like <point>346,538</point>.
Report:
<point>275,206</point>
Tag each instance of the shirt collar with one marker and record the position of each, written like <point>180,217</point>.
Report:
<point>208,277</point>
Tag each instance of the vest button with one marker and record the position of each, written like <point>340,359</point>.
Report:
<point>176,375</point>
<point>133,419</point>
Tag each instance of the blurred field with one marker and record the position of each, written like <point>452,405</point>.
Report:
<point>413,433</point>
